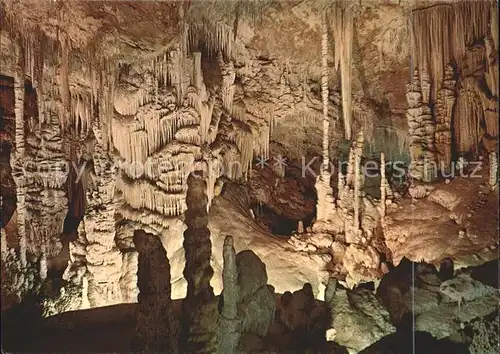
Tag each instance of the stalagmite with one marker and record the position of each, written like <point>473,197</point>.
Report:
<point>4,249</point>
<point>357,182</point>
<point>229,328</point>
<point>421,131</point>
<point>324,92</point>
<point>198,333</point>
<point>340,181</point>
<point>383,184</point>
<point>493,180</point>
<point>43,261</point>
<point>156,325</point>
<point>85,294</point>
<point>300,227</point>
<point>343,37</point>
<point>197,74</point>
<point>18,154</point>
<point>102,257</point>
<point>444,110</point>
<point>326,200</point>
<point>47,195</point>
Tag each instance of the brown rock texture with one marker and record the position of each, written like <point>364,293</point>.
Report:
<point>156,326</point>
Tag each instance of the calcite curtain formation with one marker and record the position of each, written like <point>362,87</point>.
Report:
<point>449,116</point>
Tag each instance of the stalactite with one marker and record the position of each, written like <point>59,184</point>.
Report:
<point>81,112</point>
<point>343,37</point>
<point>64,91</point>
<point>264,141</point>
<point>468,115</point>
<point>106,104</point>
<point>491,74</point>
<point>137,139</point>
<point>216,34</point>
<point>434,47</point>
<point>494,24</point>
<point>141,194</point>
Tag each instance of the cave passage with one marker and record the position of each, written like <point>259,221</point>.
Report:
<point>277,224</point>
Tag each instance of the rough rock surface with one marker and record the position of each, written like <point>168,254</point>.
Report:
<point>200,315</point>
<point>256,303</point>
<point>156,328</point>
<point>359,319</point>
<point>441,308</point>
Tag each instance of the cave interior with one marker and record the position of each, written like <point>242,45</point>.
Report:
<point>249,176</point>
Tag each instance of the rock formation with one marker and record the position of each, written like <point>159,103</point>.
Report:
<point>358,319</point>
<point>109,111</point>
<point>156,327</point>
<point>200,316</point>
<point>229,325</point>
<point>444,110</point>
<point>421,131</point>
<point>493,180</point>
<point>256,303</point>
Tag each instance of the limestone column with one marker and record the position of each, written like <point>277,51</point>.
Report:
<point>156,326</point>
<point>17,158</point>
<point>421,130</point>
<point>200,314</point>
<point>383,185</point>
<point>444,109</point>
<point>326,200</point>
<point>358,178</point>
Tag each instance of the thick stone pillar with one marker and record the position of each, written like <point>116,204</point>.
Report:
<point>200,314</point>
<point>156,326</point>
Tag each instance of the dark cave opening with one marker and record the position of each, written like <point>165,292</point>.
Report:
<point>280,224</point>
